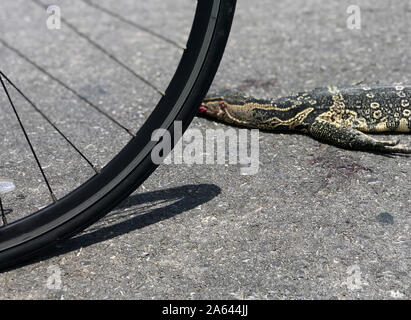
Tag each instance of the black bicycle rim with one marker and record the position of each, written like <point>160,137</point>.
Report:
<point>133,164</point>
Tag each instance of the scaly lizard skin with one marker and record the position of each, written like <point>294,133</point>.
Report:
<point>339,116</point>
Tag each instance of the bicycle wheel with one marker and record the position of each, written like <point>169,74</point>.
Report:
<point>63,217</point>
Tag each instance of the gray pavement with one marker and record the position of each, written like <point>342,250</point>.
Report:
<point>316,222</point>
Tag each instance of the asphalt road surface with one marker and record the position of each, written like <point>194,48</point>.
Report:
<point>315,222</point>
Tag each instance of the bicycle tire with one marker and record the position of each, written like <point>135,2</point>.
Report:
<point>31,236</point>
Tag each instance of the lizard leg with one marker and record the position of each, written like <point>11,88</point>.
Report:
<point>350,138</point>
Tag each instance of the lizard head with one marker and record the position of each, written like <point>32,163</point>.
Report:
<point>214,108</point>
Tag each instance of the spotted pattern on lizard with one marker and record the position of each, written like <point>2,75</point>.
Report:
<point>339,116</point>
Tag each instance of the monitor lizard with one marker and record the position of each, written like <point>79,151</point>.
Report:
<point>341,116</point>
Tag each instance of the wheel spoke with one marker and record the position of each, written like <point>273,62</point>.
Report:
<point>134,24</point>
<point>105,52</point>
<point>36,108</point>
<point>67,87</point>
<point>28,139</point>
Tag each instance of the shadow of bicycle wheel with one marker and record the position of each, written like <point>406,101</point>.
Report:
<point>136,212</point>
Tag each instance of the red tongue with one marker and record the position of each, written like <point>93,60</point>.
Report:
<point>202,109</point>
